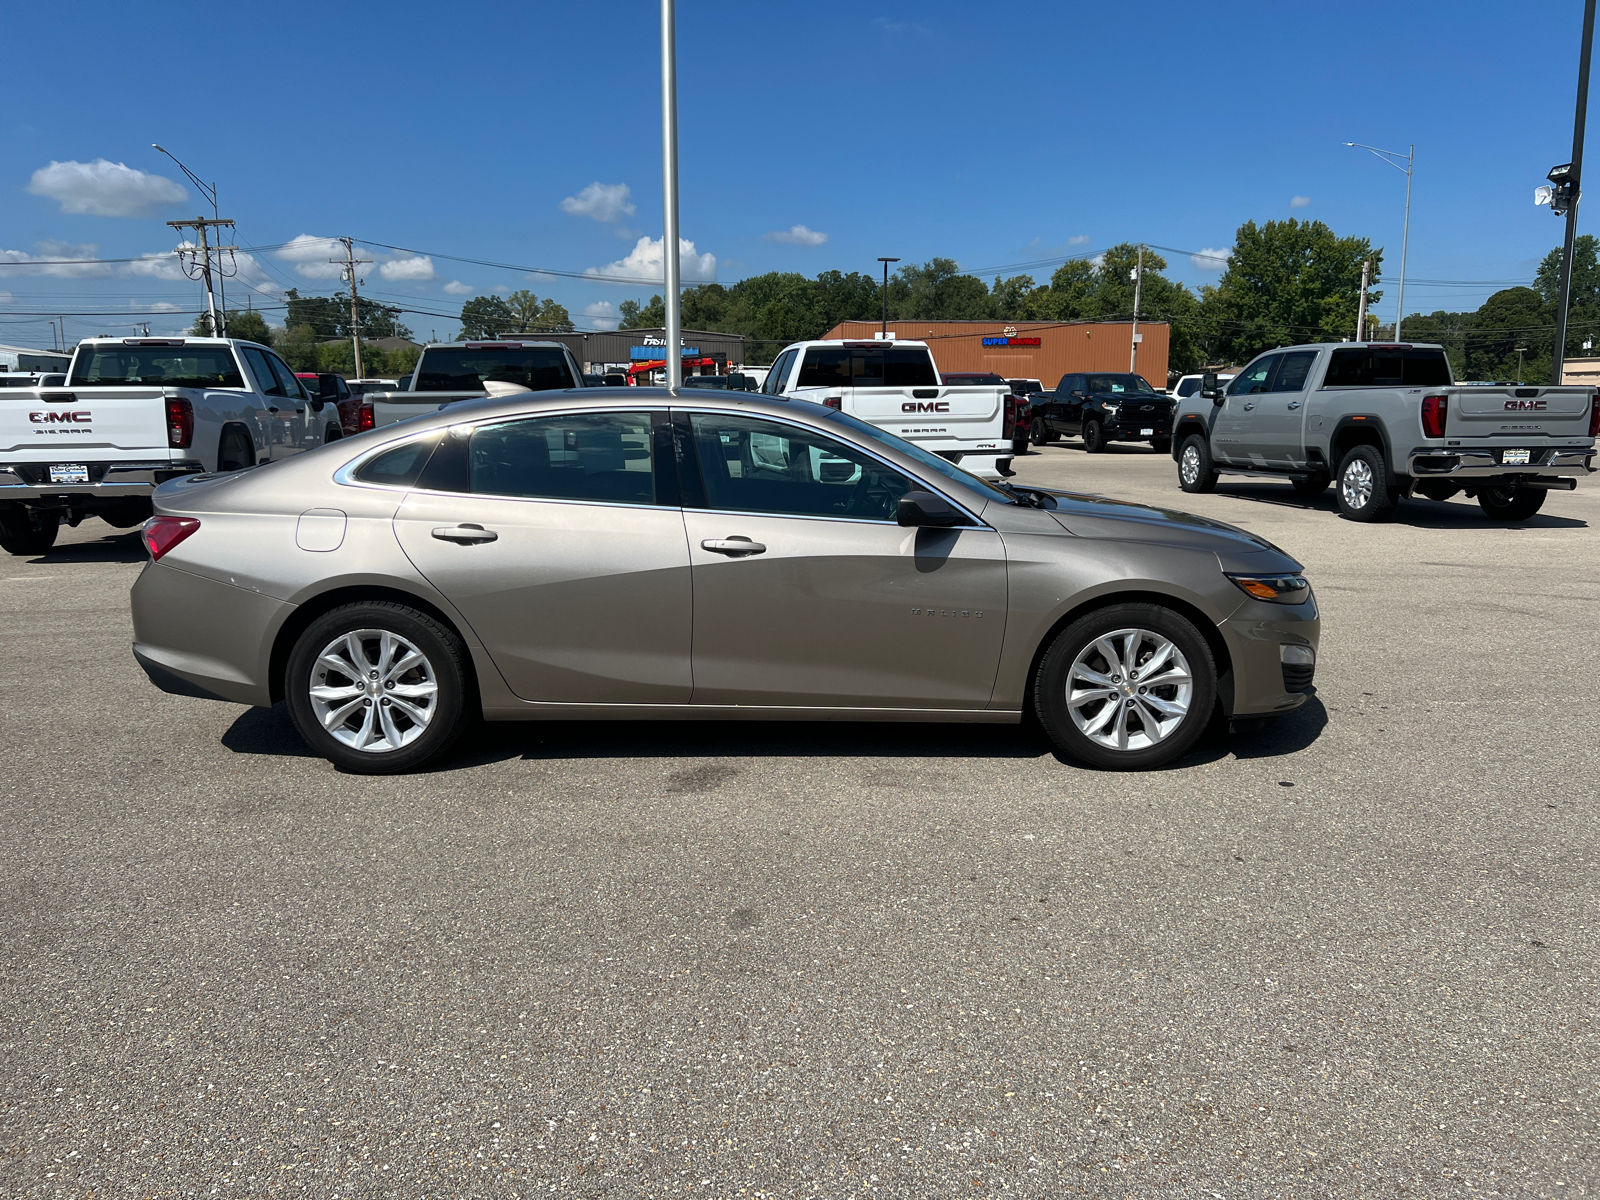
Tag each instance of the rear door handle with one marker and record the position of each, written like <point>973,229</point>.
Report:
<point>1293,404</point>
<point>465,534</point>
<point>734,547</point>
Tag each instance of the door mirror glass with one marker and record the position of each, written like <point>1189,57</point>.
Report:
<point>925,508</point>
<point>1209,388</point>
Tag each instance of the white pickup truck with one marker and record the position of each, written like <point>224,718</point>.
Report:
<point>449,372</point>
<point>136,412</point>
<point>896,386</point>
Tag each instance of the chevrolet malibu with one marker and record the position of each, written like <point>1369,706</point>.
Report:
<point>636,554</point>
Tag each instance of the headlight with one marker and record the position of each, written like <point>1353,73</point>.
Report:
<point>1275,589</point>
<point>1113,409</point>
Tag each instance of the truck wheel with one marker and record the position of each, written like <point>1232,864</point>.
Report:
<point>1196,471</point>
<point>1041,435</point>
<point>27,532</point>
<point>1161,445</point>
<point>1364,493</point>
<point>1094,437</point>
<point>377,688</point>
<point>1511,503</point>
<point>1129,688</point>
<point>1312,486</point>
<point>235,452</point>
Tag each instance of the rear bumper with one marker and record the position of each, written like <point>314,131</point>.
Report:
<point>1454,462</point>
<point>201,637</point>
<point>109,481</point>
<point>985,464</point>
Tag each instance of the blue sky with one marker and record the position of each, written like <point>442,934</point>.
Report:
<point>991,135</point>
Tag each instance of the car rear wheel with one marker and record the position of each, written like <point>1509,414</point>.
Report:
<point>1129,688</point>
<point>1364,493</point>
<point>1196,471</point>
<point>1094,437</point>
<point>27,532</point>
<point>377,688</point>
<point>1511,503</point>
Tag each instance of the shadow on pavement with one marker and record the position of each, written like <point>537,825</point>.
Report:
<point>119,548</point>
<point>1416,513</point>
<point>266,731</point>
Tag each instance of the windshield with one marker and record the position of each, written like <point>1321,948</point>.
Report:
<point>158,366</point>
<point>932,462</point>
<point>450,369</point>
<point>1116,385</point>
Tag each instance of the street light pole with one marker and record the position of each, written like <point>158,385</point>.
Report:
<point>1564,293</point>
<point>669,188</point>
<point>884,335</point>
<point>1393,158</point>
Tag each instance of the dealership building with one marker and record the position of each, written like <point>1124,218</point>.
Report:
<point>641,352</point>
<point>1042,350</point>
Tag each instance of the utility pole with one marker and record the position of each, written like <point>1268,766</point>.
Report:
<point>1572,174</point>
<point>884,335</point>
<point>1361,309</point>
<point>1521,350</point>
<point>669,190</point>
<point>350,262</point>
<point>1138,285</point>
<point>201,226</point>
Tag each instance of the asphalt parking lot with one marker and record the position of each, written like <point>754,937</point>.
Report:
<point>1352,955</point>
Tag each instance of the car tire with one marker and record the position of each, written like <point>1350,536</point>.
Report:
<point>1511,503</point>
<point>1041,433</point>
<point>332,434</point>
<point>1364,493</point>
<point>235,452</point>
<point>1094,437</point>
<point>26,533</point>
<point>1196,472</point>
<point>1312,486</point>
<point>1097,711</point>
<point>422,709</point>
<point>1019,447</point>
<point>1162,445</point>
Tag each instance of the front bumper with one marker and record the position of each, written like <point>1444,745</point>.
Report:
<point>111,481</point>
<point>1453,462</point>
<point>1269,644</point>
<point>1131,429</point>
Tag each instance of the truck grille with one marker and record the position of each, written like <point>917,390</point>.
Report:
<point>1297,678</point>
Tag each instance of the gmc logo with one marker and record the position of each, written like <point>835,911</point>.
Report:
<point>1526,405</point>
<point>932,406</point>
<point>81,417</point>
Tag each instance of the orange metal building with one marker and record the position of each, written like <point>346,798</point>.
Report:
<point>1042,350</point>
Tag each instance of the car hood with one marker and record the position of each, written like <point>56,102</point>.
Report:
<point>1126,398</point>
<point>1119,520</point>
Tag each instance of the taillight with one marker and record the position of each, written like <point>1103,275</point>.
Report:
<point>1594,416</point>
<point>1434,410</point>
<point>833,402</point>
<point>180,423</point>
<point>163,533</point>
<point>364,417</point>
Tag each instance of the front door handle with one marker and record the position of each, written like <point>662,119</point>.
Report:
<point>734,547</point>
<point>465,534</point>
<point>1248,406</point>
<point>1293,404</point>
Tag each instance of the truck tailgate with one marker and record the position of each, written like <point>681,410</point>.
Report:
<point>389,407</point>
<point>52,424</point>
<point>1519,412</point>
<point>965,412</point>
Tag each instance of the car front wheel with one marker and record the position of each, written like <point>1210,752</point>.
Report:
<point>378,688</point>
<point>1196,471</point>
<point>1128,688</point>
<point>1094,437</point>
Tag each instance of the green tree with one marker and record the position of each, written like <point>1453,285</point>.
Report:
<point>938,291</point>
<point>1287,282</point>
<point>1512,317</point>
<point>329,317</point>
<point>298,345</point>
<point>485,317</point>
<point>529,314</point>
<point>628,314</point>
<point>243,323</point>
<point>1583,307</point>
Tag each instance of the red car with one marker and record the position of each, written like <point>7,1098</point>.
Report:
<point>354,416</point>
<point>1019,413</point>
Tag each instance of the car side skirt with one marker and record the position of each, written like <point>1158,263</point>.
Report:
<point>535,711</point>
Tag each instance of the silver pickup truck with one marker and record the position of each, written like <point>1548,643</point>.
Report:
<point>1385,422</point>
<point>136,412</point>
<point>449,372</point>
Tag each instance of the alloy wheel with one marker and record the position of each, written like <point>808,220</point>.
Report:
<point>1355,485</point>
<point>1129,689</point>
<point>1189,465</point>
<point>373,690</point>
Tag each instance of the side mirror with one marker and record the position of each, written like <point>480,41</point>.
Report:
<point>1209,388</point>
<point>1079,395</point>
<point>925,508</point>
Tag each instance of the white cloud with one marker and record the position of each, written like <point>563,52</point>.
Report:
<point>456,288</point>
<point>416,267</point>
<point>602,201</point>
<point>898,27</point>
<point>310,256</point>
<point>602,314</point>
<point>1299,201</point>
<point>1099,260</point>
<point>6,297</point>
<point>159,306</point>
<point>644,263</point>
<point>796,235</point>
<point>502,289</point>
<point>105,189</point>
<point>70,261</point>
<point>1211,260</point>
<point>1081,239</point>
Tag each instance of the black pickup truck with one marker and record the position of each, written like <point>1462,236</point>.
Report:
<point>1101,408</point>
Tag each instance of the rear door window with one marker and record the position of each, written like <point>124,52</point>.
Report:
<point>825,366</point>
<point>602,458</point>
<point>1293,369</point>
